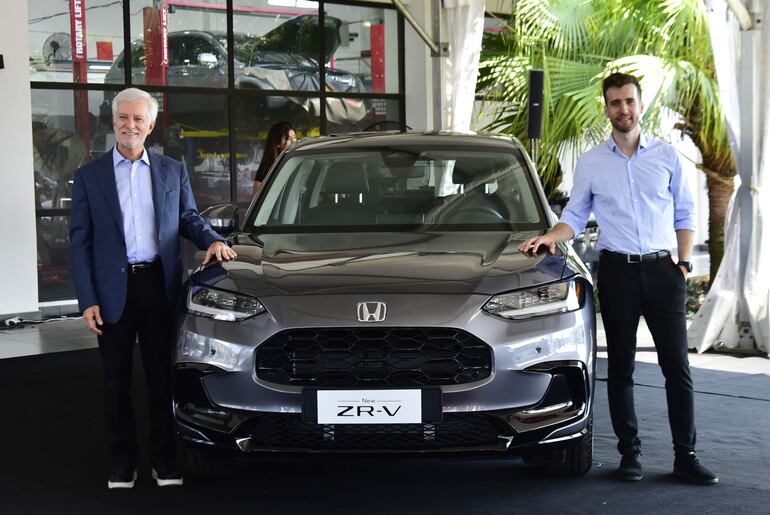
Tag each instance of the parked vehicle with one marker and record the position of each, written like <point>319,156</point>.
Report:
<point>285,58</point>
<point>379,303</point>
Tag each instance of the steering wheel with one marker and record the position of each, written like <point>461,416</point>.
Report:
<point>487,214</point>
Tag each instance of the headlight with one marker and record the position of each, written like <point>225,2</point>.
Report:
<point>222,305</point>
<point>544,300</point>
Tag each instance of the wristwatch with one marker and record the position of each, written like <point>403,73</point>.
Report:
<point>687,265</point>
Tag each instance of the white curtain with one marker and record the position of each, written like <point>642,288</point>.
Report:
<point>725,31</point>
<point>717,323</point>
<point>756,287</point>
<point>465,25</point>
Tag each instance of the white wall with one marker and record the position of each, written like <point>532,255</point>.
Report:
<point>18,264</point>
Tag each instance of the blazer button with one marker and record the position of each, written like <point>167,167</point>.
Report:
<point>123,270</point>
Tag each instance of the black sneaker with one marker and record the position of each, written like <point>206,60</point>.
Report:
<point>123,476</point>
<point>630,468</point>
<point>689,467</point>
<point>166,475</point>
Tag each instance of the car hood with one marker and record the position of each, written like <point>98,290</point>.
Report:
<point>299,35</point>
<point>451,262</point>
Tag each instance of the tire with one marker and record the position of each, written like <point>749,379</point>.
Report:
<point>578,456</point>
<point>208,465</point>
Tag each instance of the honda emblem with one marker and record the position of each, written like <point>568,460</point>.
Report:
<point>371,311</point>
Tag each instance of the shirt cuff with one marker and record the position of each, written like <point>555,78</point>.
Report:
<point>688,225</point>
<point>573,224</point>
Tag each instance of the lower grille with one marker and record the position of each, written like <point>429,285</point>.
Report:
<point>288,430</point>
<point>373,357</point>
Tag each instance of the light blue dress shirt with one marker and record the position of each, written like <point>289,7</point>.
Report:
<point>639,201</point>
<point>135,195</point>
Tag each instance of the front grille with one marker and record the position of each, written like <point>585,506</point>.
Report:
<point>288,430</point>
<point>373,357</point>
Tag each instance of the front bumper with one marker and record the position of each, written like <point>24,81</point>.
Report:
<point>560,415</point>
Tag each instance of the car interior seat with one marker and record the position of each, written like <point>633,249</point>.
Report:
<point>346,188</point>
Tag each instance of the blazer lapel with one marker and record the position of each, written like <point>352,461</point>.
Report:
<point>159,176</point>
<point>106,179</point>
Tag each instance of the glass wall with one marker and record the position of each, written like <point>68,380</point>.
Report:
<point>63,138</point>
<point>252,121</point>
<point>193,51</point>
<point>368,47</point>
<point>74,45</point>
<point>216,105</point>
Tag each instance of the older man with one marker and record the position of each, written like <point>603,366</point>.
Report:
<point>129,208</point>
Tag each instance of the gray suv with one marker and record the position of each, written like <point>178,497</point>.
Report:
<point>379,304</point>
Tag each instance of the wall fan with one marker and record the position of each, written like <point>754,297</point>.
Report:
<point>57,46</point>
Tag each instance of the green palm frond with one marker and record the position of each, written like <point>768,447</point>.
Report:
<point>569,75</point>
<point>577,43</point>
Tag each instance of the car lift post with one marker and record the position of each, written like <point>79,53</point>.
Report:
<point>80,69</point>
<point>156,54</point>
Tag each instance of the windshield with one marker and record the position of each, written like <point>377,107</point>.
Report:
<point>387,189</point>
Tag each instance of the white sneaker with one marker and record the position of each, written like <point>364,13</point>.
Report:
<point>123,476</point>
<point>167,476</point>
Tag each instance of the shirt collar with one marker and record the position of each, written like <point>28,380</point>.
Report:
<point>118,158</point>
<point>644,142</point>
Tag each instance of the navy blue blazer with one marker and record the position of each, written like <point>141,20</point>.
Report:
<point>97,242</point>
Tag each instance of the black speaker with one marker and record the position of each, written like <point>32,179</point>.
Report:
<point>535,107</point>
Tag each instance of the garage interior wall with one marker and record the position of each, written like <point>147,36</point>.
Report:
<point>18,270</point>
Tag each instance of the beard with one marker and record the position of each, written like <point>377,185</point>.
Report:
<point>131,145</point>
<point>623,126</point>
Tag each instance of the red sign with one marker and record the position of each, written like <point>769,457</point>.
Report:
<point>104,50</point>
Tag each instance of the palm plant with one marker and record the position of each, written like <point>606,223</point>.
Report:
<point>577,43</point>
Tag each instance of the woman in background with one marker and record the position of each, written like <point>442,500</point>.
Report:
<point>280,136</point>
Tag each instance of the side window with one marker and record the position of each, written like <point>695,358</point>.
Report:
<point>294,194</point>
<point>178,54</point>
<point>174,51</point>
<point>137,57</point>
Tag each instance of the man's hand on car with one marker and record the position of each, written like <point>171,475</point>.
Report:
<point>534,246</point>
<point>221,251</point>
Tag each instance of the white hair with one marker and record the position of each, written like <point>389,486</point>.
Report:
<point>131,94</point>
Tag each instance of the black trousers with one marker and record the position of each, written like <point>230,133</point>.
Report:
<point>655,289</point>
<point>147,315</point>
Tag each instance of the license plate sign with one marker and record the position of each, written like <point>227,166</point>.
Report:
<point>369,406</point>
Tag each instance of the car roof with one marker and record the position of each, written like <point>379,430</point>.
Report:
<point>404,139</point>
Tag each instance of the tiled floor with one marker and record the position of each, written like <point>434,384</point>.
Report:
<point>719,373</point>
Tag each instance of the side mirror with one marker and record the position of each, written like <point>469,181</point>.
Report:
<point>223,218</point>
<point>208,59</point>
